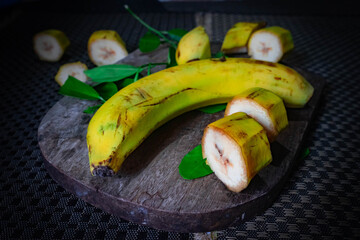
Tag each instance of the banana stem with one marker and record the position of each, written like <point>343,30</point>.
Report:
<point>159,33</point>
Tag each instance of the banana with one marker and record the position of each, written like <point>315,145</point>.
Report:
<point>75,70</point>
<point>50,45</point>
<point>127,118</point>
<point>270,44</point>
<point>236,39</point>
<point>236,149</point>
<point>264,106</point>
<point>106,47</point>
<point>194,45</point>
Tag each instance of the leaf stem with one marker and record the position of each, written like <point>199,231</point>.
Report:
<point>160,34</point>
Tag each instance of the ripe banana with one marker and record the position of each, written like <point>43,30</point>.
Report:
<point>106,47</point>
<point>50,45</point>
<point>264,106</point>
<point>270,44</point>
<point>236,149</point>
<point>236,39</point>
<point>127,118</point>
<point>75,70</point>
<point>194,45</point>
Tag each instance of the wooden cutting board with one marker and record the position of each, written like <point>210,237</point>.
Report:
<point>149,190</point>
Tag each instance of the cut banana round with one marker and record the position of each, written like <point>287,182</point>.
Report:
<point>270,44</point>
<point>264,106</point>
<point>75,70</point>
<point>194,45</point>
<point>50,45</point>
<point>237,37</point>
<point>106,47</point>
<point>236,149</point>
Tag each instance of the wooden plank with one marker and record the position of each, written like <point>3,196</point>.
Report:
<point>149,190</point>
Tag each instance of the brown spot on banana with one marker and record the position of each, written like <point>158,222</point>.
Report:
<point>167,97</point>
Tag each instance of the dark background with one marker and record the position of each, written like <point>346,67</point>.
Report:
<point>320,199</point>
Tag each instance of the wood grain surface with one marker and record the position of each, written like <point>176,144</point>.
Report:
<point>149,190</point>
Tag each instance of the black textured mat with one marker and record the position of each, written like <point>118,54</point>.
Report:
<point>319,201</point>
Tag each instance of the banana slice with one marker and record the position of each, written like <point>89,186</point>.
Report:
<point>236,149</point>
<point>270,44</point>
<point>50,45</point>
<point>264,106</point>
<point>75,70</point>
<point>106,47</point>
<point>237,37</point>
<point>194,45</point>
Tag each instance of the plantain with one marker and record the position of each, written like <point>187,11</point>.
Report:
<point>236,39</point>
<point>194,45</point>
<point>236,149</point>
<point>127,118</point>
<point>262,105</point>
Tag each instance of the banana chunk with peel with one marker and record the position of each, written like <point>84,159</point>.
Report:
<point>270,44</point>
<point>106,47</point>
<point>236,149</point>
<point>75,70</point>
<point>264,106</point>
<point>236,39</point>
<point>50,45</point>
<point>194,45</point>
<point>127,118</point>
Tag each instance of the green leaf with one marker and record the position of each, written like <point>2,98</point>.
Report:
<point>111,73</point>
<point>75,88</point>
<point>305,153</point>
<point>126,82</point>
<point>149,42</point>
<point>92,109</point>
<point>193,165</point>
<point>218,55</point>
<point>106,90</point>
<point>213,108</point>
<point>176,34</point>
<point>171,58</point>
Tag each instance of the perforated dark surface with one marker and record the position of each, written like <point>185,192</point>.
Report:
<point>319,200</point>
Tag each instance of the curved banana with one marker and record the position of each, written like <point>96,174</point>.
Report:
<point>128,117</point>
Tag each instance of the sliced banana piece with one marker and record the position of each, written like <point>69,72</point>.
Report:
<point>106,47</point>
<point>75,70</point>
<point>236,39</point>
<point>270,44</point>
<point>50,45</point>
<point>264,106</point>
<point>236,149</point>
<point>194,45</point>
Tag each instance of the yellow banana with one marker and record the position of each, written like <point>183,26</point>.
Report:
<point>128,117</point>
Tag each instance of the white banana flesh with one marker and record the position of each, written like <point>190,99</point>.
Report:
<point>236,148</point>
<point>262,105</point>
<point>50,45</point>
<point>270,44</point>
<point>105,52</point>
<point>75,70</point>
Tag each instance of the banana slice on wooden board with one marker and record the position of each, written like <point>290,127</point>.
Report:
<point>264,106</point>
<point>75,70</point>
<point>236,148</point>
<point>106,47</point>
<point>270,44</point>
<point>237,37</point>
<point>50,45</point>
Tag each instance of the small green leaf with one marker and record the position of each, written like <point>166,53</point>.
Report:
<point>111,73</point>
<point>149,42</point>
<point>218,55</point>
<point>171,58</point>
<point>92,109</point>
<point>75,88</point>
<point>193,165</point>
<point>176,34</point>
<point>213,108</point>
<point>106,90</point>
<point>126,82</point>
<point>305,153</point>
